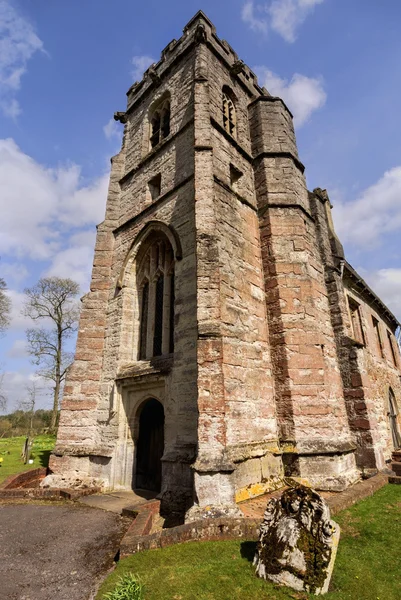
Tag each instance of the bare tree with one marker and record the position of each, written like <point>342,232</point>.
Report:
<point>5,306</point>
<point>3,399</point>
<point>54,301</point>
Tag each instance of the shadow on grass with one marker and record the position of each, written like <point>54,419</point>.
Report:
<point>248,550</point>
<point>44,458</point>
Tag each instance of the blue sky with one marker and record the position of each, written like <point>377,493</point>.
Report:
<point>65,68</point>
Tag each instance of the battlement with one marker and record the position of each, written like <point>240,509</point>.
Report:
<point>199,30</point>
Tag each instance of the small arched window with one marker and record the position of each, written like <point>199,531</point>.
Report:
<point>156,298</point>
<point>160,122</point>
<point>229,116</point>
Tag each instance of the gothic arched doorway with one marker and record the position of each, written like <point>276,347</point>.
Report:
<point>393,414</point>
<point>150,446</point>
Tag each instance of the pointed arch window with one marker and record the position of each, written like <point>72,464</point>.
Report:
<point>159,119</point>
<point>229,116</point>
<point>156,299</point>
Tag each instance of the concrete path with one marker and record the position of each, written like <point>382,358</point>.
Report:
<point>55,552</point>
<point>116,501</point>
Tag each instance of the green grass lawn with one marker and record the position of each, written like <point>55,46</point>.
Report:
<point>368,564</point>
<point>10,452</point>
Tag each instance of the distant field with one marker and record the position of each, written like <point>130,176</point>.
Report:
<point>10,452</point>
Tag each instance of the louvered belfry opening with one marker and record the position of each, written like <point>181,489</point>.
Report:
<point>156,299</point>
<point>229,116</point>
<point>160,122</point>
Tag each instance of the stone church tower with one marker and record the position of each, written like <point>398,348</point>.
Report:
<point>211,358</point>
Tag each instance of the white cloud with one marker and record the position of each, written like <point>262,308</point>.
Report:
<point>112,130</point>
<point>282,16</point>
<point>14,388</point>
<point>303,95</point>
<point>39,205</point>
<point>376,212</point>
<point>386,283</point>
<point>18,43</point>
<point>259,23</point>
<point>18,349</point>
<point>13,272</point>
<point>76,260</point>
<point>17,321</point>
<point>288,15</point>
<point>140,64</point>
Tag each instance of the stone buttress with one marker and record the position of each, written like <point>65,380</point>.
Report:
<point>312,419</point>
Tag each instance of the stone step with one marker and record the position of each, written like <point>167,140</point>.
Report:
<point>396,456</point>
<point>395,479</point>
<point>396,467</point>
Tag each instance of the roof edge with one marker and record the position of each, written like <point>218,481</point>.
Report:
<point>355,275</point>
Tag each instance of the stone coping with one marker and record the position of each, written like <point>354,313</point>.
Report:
<point>201,530</point>
<point>24,479</point>
<point>138,537</point>
<point>46,493</point>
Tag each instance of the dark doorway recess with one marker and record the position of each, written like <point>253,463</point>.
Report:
<point>150,446</point>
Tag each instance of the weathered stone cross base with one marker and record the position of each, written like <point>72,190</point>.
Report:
<point>298,541</point>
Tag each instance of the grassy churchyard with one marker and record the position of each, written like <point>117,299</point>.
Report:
<point>10,452</point>
<point>368,564</point>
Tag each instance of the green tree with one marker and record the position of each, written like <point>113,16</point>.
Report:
<point>53,302</point>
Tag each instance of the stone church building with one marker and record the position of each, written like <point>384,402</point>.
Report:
<point>225,342</point>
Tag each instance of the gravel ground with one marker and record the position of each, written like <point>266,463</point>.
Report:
<point>55,552</point>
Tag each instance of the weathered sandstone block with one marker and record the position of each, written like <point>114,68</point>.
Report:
<point>298,541</point>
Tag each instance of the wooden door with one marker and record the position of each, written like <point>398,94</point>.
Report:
<point>150,446</point>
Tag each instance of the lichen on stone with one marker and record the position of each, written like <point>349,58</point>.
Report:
<point>297,541</point>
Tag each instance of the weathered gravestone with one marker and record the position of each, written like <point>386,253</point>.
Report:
<point>298,541</point>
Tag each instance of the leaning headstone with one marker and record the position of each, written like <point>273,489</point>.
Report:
<point>298,541</point>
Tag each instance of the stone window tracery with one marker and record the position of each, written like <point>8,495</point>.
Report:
<point>156,299</point>
<point>229,116</point>
<point>160,122</point>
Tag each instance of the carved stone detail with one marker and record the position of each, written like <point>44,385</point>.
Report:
<point>298,541</point>
<point>200,34</point>
<point>121,117</point>
<point>237,67</point>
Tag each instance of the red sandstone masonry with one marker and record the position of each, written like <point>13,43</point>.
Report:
<point>23,480</point>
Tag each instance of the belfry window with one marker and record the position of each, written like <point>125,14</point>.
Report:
<point>160,122</point>
<point>229,117</point>
<point>156,299</point>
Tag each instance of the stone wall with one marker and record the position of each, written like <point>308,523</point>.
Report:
<point>366,374</point>
<point>237,423</point>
